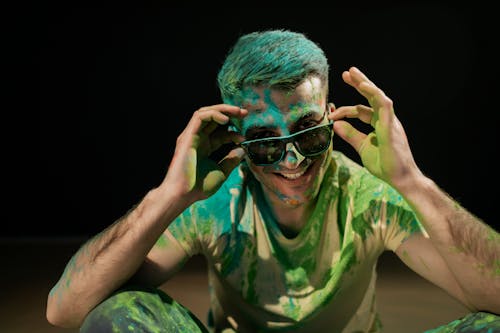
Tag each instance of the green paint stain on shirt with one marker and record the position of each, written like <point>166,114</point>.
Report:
<point>348,257</point>
<point>361,226</point>
<point>251,295</point>
<point>292,310</point>
<point>296,278</point>
<point>161,242</point>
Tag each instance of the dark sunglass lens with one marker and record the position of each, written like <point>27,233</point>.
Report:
<point>265,152</point>
<point>314,141</point>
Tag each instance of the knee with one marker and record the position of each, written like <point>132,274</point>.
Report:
<point>138,310</point>
<point>126,310</point>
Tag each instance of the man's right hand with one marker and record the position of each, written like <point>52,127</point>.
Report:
<point>192,174</point>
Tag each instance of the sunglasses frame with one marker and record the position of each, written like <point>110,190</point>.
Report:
<point>288,139</point>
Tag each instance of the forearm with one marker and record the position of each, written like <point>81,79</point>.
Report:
<point>470,247</point>
<point>109,259</point>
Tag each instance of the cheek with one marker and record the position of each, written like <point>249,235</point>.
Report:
<point>256,170</point>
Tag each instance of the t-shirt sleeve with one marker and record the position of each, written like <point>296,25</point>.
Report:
<point>400,223</point>
<point>382,217</point>
<point>184,230</point>
<point>397,220</point>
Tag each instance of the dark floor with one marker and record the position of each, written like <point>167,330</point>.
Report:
<point>407,303</point>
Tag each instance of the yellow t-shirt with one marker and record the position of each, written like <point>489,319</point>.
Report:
<point>323,280</point>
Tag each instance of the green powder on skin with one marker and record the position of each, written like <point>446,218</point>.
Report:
<point>406,257</point>
<point>191,168</point>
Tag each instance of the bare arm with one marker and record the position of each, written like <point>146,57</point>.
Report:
<point>112,257</point>
<point>109,259</point>
<point>468,249</point>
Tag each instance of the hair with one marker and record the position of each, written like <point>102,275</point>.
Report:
<point>279,58</point>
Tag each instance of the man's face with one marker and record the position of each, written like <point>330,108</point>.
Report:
<point>296,179</point>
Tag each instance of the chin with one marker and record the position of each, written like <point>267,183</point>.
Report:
<point>293,187</point>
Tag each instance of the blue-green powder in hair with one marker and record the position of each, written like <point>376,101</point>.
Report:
<point>278,58</point>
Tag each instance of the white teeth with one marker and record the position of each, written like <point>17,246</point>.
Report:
<point>293,175</point>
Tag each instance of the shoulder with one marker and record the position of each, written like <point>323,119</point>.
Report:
<point>351,173</point>
<point>357,182</point>
<point>207,219</point>
<point>230,191</point>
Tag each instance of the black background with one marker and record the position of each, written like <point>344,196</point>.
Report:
<point>100,95</point>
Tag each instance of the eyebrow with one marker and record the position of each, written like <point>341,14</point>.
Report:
<point>302,118</point>
<point>255,128</point>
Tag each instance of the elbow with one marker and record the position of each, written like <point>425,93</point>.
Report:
<point>60,316</point>
<point>488,302</point>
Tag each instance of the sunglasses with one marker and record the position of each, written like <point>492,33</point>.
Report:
<point>309,142</point>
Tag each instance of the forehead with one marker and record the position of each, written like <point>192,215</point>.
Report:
<point>270,107</point>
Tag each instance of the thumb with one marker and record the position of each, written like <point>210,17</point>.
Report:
<point>349,134</point>
<point>231,160</point>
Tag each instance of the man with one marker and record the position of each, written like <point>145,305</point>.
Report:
<point>291,228</point>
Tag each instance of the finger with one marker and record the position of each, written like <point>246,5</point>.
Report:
<point>354,77</point>
<point>378,100</point>
<point>210,127</point>
<point>231,160</point>
<point>358,76</point>
<point>219,114</point>
<point>349,134</point>
<point>230,110</point>
<point>221,137</point>
<point>208,116</point>
<point>362,112</point>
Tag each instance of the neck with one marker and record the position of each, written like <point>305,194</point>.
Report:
<point>291,219</point>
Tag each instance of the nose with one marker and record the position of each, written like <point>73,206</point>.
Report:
<point>292,157</point>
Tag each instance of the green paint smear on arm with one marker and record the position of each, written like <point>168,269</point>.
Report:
<point>407,257</point>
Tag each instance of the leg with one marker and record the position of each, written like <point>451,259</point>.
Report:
<point>478,322</point>
<point>140,310</point>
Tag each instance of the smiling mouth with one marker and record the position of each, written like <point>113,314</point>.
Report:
<point>295,174</point>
